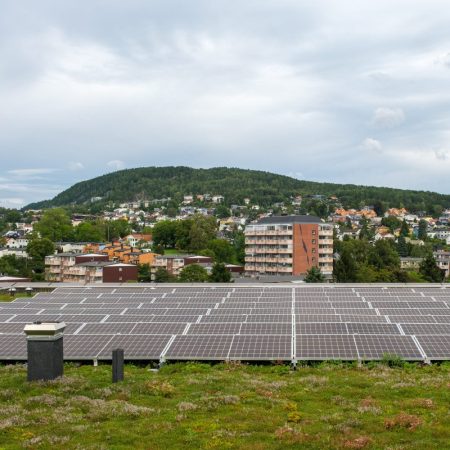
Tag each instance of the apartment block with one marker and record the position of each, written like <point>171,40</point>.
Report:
<point>87,268</point>
<point>288,245</point>
<point>175,263</point>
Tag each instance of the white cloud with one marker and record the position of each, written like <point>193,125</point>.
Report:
<point>442,155</point>
<point>116,164</point>
<point>12,202</point>
<point>372,145</point>
<point>31,173</point>
<point>75,166</point>
<point>245,84</point>
<point>388,117</point>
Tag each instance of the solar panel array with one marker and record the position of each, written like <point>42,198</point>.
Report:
<point>258,322</point>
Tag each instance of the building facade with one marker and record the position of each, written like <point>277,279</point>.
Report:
<point>288,245</point>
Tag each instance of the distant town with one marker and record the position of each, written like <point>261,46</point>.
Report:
<point>204,239</point>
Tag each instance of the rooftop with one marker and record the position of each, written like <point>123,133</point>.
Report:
<point>289,219</point>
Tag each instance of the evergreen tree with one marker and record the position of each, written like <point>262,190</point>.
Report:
<point>144,274</point>
<point>402,246</point>
<point>430,271</point>
<point>314,275</point>
<point>404,229</point>
<point>162,275</point>
<point>423,227</point>
<point>220,274</point>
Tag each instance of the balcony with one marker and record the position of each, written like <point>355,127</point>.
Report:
<point>268,233</point>
<point>325,241</point>
<point>328,260</point>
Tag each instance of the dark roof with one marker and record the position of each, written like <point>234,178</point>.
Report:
<point>289,219</point>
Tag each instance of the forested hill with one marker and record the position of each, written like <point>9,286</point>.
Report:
<point>264,188</point>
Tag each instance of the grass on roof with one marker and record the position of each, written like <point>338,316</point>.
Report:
<point>229,406</point>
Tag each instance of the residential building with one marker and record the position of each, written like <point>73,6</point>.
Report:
<point>443,261</point>
<point>175,263</point>
<point>288,245</point>
<point>73,267</point>
<point>410,263</point>
<point>120,273</point>
<point>138,238</point>
<point>89,268</point>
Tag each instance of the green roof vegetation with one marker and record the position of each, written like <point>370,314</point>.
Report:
<point>202,406</point>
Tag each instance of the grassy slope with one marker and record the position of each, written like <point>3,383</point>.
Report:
<point>228,406</point>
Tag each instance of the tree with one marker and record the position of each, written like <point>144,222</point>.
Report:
<point>404,229</point>
<point>202,231</point>
<point>222,212</point>
<point>423,227</point>
<point>402,246</point>
<point>391,222</point>
<point>165,233</point>
<point>220,274</point>
<point>13,266</point>
<point>383,255</point>
<point>430,271</point>
<point>239,246</point>
<point>193,273</point>
<point>162,275</point>
<point>144,274</point>
<point>89,232</point>
<point>380,208</point>
<point>314,275</point>
<point>366,231</point>
<point>345,267</point>
<point>38,249</point>
<point>116,229</point>
<point>222,250</point>
<point>55,224</point>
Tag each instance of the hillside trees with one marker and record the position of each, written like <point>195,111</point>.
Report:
<point>263,188</point>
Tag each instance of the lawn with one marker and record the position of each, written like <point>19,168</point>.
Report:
<point>202,406</point>
<point>7,297</point>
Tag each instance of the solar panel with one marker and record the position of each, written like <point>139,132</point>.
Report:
<point>86,346</point>
<point>372,328</point>
<point>435,347</point>
<point>142,346</point>
<point>326,347</point>
<point>261,347</point>
<point>321,328</point>
<point>13,347</point>
<point>107,328</point>
<point>214,328</point>
<point>266,328</point>
<point>376,346</point>
<point>422,328</point>
<point>330,318</point>
<point>209,347</point>
<point>159,328</point>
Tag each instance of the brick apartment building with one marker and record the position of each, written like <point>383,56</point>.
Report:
<point>288,245</point>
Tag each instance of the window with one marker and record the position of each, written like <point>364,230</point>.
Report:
<point>313,232</point>
<point>314,250</point>
<point>313,241</point>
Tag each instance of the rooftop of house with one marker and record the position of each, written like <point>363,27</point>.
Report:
<point>289,220</point>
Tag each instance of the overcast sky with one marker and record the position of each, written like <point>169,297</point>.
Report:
<point>339,91</point>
